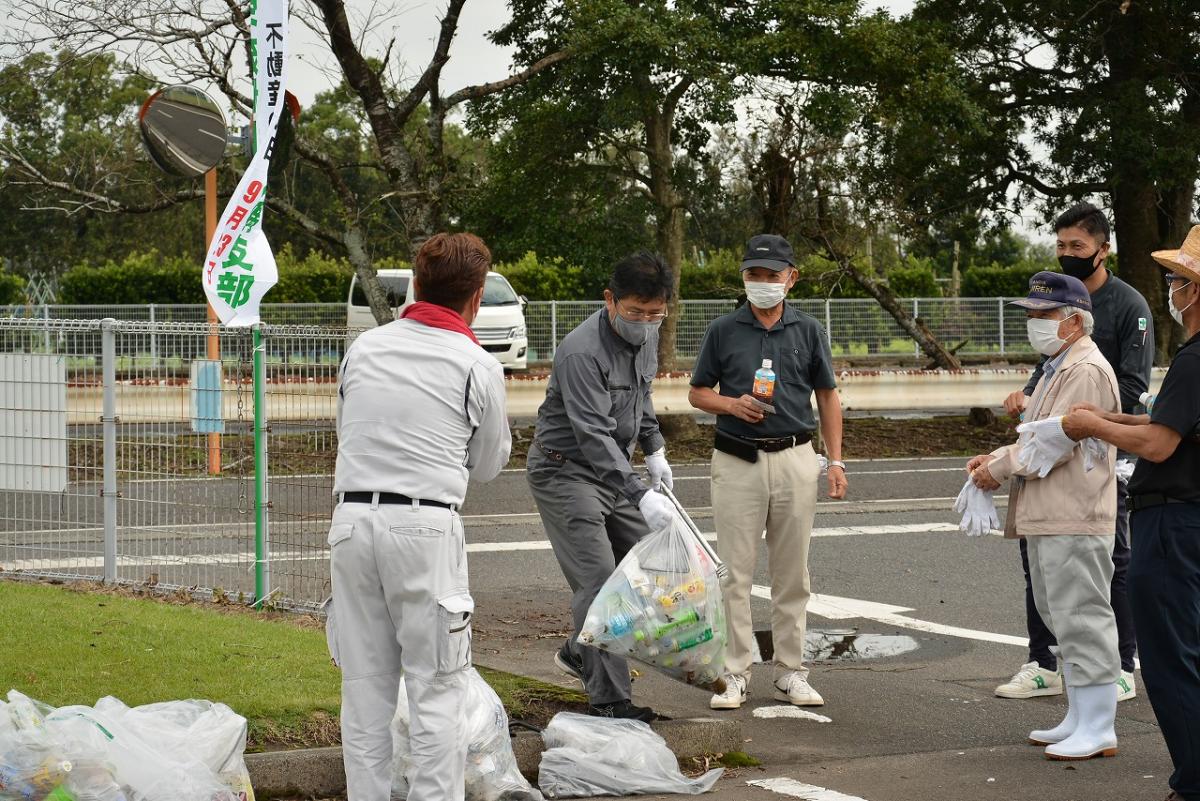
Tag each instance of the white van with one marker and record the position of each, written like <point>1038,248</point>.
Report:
<point>500,325</point>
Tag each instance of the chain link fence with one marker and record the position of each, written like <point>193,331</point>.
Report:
<point>857,327</point>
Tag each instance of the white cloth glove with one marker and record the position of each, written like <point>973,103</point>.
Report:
<point>1125,469</point>
<point>1044,445</point>
<point>657,509</point>
<point>1095,453</point>
<point>978,510</point>
<point>660,471</point>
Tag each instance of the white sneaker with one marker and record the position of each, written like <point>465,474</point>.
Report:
<point>1126,688</point>
<point>793,686</point>
<point>734,696</point>
<point>1031,681</point>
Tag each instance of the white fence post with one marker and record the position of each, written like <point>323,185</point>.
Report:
<point>916,314</point>
<point>553,327</point>
<point>153,339</point>
<point>1000,311</point>
<point>828,325</point>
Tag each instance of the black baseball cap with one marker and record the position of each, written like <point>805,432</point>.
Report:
<point>1049,290</point>
<point>770,251</point>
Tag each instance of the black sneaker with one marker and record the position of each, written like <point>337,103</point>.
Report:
<point>624,710</point>
<point>569,663</point>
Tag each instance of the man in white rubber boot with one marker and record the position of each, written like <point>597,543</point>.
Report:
<point>420,410</point>
<point>1067,514</point>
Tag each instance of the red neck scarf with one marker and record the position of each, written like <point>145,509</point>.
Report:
<point>435,316</point>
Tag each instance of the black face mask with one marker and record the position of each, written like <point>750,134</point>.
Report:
<point>1080,267</point>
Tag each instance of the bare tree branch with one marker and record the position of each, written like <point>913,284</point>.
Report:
<point>485,89</point>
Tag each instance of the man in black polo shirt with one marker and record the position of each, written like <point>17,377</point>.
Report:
<point>1124,333</point>
<point>1164,505</point>
<point>764,468</point>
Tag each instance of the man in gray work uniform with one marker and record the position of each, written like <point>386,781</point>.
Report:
<point>592,503</point>
<point>1125,335</point>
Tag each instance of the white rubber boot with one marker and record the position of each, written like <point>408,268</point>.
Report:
<point>1065,729</point>
<point>1094,735</point>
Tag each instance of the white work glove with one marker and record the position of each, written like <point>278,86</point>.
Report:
<point>1125,469</point>
<point>660,471</point>
<point>1095,453</point>
<point>1045,444</point>
<point>657,509</point>
<point>978,510</point>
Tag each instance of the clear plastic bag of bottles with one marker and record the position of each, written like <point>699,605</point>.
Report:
<point>491,771</point>
<point>663,606</point>
<point>178,751</point>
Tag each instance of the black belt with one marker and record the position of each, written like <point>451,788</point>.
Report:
<point>390,497</point>
<point>1147,500</point>
<point>774,444</point>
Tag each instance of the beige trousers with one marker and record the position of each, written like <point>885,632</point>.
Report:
<point>1071,576</point>
<point>778,494</point>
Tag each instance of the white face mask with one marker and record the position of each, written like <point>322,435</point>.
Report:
<point>765,295</point>
<point>1043,335</point>
<point>1177,314</point>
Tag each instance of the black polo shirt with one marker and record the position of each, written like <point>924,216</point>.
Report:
<point>733,349</point>
<point>1177,407</point>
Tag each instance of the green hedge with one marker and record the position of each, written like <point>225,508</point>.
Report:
<point>544,279</point>
<point>995,281</point>
<point>12,289</point>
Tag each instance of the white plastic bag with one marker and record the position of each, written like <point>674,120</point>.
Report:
<point>491,771</point>
<point>662,606</point>
<point>1044,444</point>
<point>180,751</point>
<point>589,756</point>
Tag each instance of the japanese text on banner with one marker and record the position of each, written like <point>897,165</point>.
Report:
<point>240,267</point>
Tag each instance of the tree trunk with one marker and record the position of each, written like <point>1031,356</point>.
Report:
<point>668,223</point>
<point>359,259</point>
<point>1135,218</point>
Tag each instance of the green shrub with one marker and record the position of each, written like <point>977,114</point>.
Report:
<point>544,279</point>
<point>995,281</point>
<point>915,279</point>
<point>12,289</point>
<point>314,279</point>
<point>139,278</point>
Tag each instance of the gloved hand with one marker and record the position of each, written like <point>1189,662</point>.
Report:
<point>1125,469</point>
<point>660,471</point>
<point>1095,452</point>
<point>657,509</point>
<point>978,510</point>
<point>1045,444</point>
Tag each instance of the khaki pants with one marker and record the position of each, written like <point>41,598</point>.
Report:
<point>1071,575</point>
<point>777,493</point>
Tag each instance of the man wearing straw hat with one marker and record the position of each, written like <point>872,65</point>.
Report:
<point>1164,505</point>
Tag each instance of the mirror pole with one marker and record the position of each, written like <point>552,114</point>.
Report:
<point>213,341</point>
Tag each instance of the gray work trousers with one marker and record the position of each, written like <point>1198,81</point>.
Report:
<point>1071,575</point>
<point>591,527</point>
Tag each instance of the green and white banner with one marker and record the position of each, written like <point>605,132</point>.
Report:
<point>239,267</point>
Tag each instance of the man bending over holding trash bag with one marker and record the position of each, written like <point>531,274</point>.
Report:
<point>420,411</point>
<point>764,468</point>
<point>592,503</point>
<point>1063,501</point>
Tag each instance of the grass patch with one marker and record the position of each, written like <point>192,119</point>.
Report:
<point>738,759</point>
<point>73,645</point>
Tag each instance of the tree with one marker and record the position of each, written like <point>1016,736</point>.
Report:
<point>633,103</point>
<point>991,103</point>
<point>208,42</point>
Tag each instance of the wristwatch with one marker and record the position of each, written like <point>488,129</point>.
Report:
<point>838,463</point>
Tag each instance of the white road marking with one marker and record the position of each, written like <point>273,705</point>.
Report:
<point>806,792</point>
<point>836,608</point>
<point>789,711</point>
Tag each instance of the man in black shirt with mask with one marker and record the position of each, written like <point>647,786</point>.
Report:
<point>1164,505</point>
<point>1125,335</point>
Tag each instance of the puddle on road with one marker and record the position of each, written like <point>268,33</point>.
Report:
<point>831,645</point>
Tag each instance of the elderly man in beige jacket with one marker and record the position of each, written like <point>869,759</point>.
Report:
<point>1067,515</point>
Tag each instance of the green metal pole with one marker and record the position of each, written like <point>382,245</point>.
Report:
<point>262,568</point>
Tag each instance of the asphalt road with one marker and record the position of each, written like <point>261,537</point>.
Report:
<point>922,724</point>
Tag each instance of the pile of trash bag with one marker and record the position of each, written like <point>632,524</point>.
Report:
<point>590,756</point>
<point>174,751</point>
<point>491,771</point>
<point>663,606</point>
